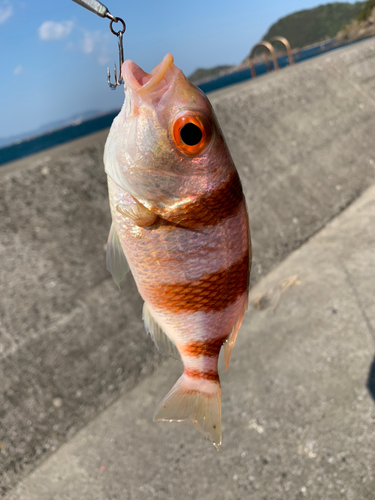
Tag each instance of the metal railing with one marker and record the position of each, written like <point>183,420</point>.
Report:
<point>270,51</point>
<point>286,44</point>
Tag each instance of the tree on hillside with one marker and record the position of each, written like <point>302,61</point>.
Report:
<point>366,10</point>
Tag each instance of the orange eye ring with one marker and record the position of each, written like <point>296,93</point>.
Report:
<point>191,133</point>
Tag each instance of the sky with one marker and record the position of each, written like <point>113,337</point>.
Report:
<point>54,53</point>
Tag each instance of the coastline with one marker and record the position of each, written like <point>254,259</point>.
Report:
<point>242,73</point>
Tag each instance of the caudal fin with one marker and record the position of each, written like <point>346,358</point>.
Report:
<point>184,403</point>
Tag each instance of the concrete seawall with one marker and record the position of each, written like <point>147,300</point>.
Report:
<point>303,142</point>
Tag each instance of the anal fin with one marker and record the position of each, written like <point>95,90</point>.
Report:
<point>116,261</point>
<point>231,340</point>
<point>160,338</point>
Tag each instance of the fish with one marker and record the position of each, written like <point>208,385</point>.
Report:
<point>180,224</point>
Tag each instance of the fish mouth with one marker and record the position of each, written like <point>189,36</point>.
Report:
<point>143,82</point>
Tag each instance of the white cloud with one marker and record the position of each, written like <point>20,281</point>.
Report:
<point>50,30</point>
<point>103,58</point>
<point>88,42</point>
<point>93,43</point>
<point>18,70</point>
<point>5,12</point>
<point>104,53</point>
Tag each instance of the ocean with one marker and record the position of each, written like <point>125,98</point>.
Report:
<point>55,137</point>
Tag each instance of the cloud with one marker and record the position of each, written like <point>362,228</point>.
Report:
<point>104,51</point>
<point>5,12</point>
<point>50,30</point>
<point>88,42</point>
<point>18,70</point>
<point>103,58</point>
<point>95,43</point>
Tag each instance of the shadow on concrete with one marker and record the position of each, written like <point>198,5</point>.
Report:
<point>371,380</point>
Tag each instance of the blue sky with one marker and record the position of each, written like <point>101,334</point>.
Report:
<point>54,53</point>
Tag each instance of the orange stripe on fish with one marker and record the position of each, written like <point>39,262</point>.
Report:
<point>212,208</point>
<point>209,348</point>
<point>213,292</point>
<point>211,375</point>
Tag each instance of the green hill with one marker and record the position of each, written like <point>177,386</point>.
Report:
<point>201,74</point>
<point>314,25</point>
<point>362,26</point>
<point>366,10</point>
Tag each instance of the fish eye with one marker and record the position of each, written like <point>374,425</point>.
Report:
<point>191,133</point>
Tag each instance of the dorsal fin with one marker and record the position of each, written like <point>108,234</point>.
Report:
<point>162,341</point>
<point>116,261</point>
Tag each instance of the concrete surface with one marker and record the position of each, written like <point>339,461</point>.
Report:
<point>303,143</point>
<point>298,421</point>
<point>62,320</point>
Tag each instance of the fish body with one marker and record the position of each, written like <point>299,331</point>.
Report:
<point>179,216</point>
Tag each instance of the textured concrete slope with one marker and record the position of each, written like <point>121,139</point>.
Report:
<point>62,320</point>
<point>298,421</point>
<point>303,141</point>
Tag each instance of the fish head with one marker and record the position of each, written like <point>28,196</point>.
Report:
<point>165,147</point>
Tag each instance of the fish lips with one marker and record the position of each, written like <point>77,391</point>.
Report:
<point>144,83</point>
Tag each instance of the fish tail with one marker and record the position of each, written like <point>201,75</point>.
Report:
<point>196,401</point>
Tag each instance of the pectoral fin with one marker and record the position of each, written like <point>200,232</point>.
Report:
<point>117,264</point>
<point>138,213</point>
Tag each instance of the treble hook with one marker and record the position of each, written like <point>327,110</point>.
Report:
<point>118,80</point>
<point>102,11</point>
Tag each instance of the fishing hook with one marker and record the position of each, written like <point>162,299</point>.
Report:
<point>102,11</point>
<point>119,34</point>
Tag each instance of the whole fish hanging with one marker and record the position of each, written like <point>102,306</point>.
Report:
<point>179,219</point>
